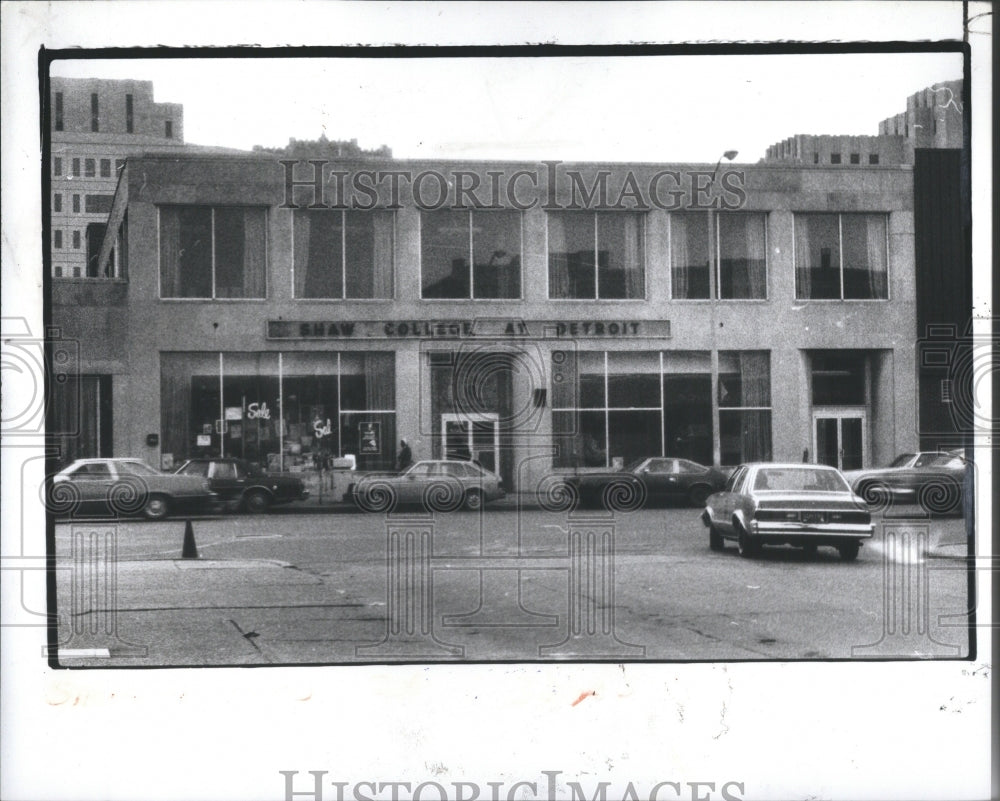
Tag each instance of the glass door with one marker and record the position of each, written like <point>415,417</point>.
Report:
<point>839,439</point>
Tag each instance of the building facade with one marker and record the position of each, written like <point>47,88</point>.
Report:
<point>95,125</point>
<point>537,317</point>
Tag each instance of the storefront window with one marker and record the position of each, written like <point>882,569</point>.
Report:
<point>295,412</point>
<point>343,254</point>
<point>212,252</point>
<point>596,255</point>
<point>614,415</point>
<point>744,406</point>
<point>490,241</point>
<point>740,268</point>
<point>841,256</point>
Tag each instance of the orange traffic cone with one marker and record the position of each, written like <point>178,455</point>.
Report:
<point>190,550</point>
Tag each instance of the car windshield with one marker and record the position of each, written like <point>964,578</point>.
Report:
<point>136,469</point>
<point>901,460</point>
<point>799,479</point>
<point>632,466</point>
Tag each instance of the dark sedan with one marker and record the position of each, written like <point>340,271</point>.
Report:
<point>932,479</point>
<point>242,485</point>
<point>803,505</point>
<point>653,480</point>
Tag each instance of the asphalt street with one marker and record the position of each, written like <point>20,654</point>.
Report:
<point>502,584</point>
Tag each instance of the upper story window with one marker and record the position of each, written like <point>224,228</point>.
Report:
<point>835,158</point>
<point>129,118</point>
<point>76,168</point>
<point>57,202</point>
<point>728,262</point>
<point>470,254</point>
<point>212,252</point>
<point>59,111</point>
<point>841,257</point>
<point>596,255</point>
<point>168,129</point>
<point>94,113</point>
<point>89,168</point>
<point>341,254</point>
<point>105,168</point>
<point>57,166</point>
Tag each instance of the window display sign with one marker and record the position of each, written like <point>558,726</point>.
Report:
<point>369,437</point>
<point>234,413</point>
<point>204,440</point>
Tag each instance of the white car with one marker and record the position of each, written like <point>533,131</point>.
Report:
<point>125,487</point>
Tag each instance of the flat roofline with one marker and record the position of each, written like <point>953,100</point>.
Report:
<point>255,157</point>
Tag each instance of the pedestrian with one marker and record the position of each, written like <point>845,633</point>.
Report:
<point>405,458</point>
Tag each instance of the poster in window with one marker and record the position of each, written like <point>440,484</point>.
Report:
<point>369,437</point>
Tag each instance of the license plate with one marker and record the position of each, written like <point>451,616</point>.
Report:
<point>813,517</point>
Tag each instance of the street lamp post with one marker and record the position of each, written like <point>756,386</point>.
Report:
<point>713,290</point>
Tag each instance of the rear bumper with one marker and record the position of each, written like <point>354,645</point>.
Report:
<point>786,531</point>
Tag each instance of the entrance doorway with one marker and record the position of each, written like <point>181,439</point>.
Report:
<point>473,437</point>
<point>840,438</point>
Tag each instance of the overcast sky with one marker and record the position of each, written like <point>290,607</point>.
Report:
<point>676,108</point>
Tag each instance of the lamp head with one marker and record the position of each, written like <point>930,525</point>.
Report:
<point>729,155</point>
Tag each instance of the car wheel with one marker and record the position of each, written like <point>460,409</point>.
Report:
<point>876,495</point>
<point>256,502</point>
<point>698,494</point>
<point>473,500</point>
<point>715,540</point>
<point>849,551</point>
<point>157,507</point>
<point>747,547</point>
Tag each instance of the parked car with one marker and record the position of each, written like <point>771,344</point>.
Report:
<point>804,505</point>
<point>124,487</point>
<point>655,479</point>
<point>930,478</point>
<point>438,484</point>
<point>244,486</point>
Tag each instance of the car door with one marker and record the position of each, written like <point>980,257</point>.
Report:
<point>94,481</point>
<point>411,485</point>
<point>725,504</point>
<point>227,480</point>
<point>655,474</point>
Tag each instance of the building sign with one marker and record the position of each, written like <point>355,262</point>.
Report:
<point>491,328</point>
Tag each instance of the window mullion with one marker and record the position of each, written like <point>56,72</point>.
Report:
<point>840,251</point>
<point>607,414</point>
<point>663,428</point>
<point>472,258</point>
<point>212,221</point>
<point>597,286</point>
<point>343,254</point>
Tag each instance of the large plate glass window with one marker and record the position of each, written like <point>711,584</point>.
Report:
<point>841,257</point>
<point>343,254</point>
<point>212,252</point>
<point>596,255</point>
<point>720,255</point>
<point>744,406</point>
<point>470,254</point>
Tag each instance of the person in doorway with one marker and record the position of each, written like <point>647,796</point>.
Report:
<point>405,458</point>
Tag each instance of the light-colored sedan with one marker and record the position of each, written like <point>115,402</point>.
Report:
<point>125,487</point>
<point>804,505</point>
<point>441,485</point>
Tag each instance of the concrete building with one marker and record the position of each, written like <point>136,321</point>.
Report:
<point>538,317</point>
<point>95,125</point>
<point>933,119</point>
